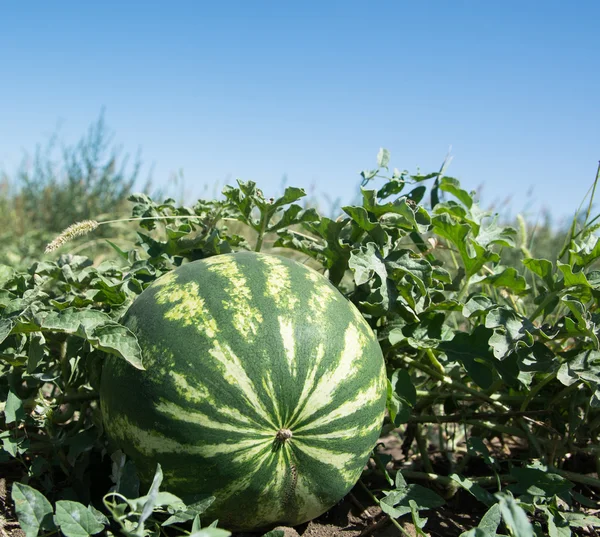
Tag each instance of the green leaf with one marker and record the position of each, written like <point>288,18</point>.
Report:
<point>124,475</point>
<point>538,481</point>
<point>583,323</point>
<point>585,254</point>
<point>196,524</point>
<point>406,263</point>
<point>210,532</point>
<point>510,330</point>
<point>418,522</point>
<point>477,304</point>
<point>75,520</point>
<point>403,386</point>
<point>36,352</point>
<point>97,328</point>
<point>98,515</point>
<point>294,215</point>
<point>33,510</point>
<point>488,525</point>
<point>473,488</point>
<point>336,254</point>
<point>494,234</point>
<point>557,525</point>
<point>121,253</point>
<point>392,187</point>
<point>80,443</point>
<point>367,175</point>
<point>190,512</point>
<point>6,274</point>
<point>6,325</point>
<point>473,255</point>
<point>515,517</point>
<point>151,498</point>
<point>451,185</point>
<point>583,366</point>
<point>476,446</point>
<point>360,217</point>
<point>365,262</point>
<point>274,533</point>
<point>397,213</point>
<point>396,503</point>
<point>474,353</point>
<point>542,268</point>
<point>13,411</point>
<point>581,520</point>
<point>477,532</point>
<point>572,279</point>
<point>116,339</point>
<point>491,520</point>
<point>507,277</point>
<point>402,396</point>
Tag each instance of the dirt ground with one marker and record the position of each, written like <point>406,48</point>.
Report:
<point>356,515</point>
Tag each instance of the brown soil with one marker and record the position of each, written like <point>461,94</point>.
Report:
<point>356,515</point>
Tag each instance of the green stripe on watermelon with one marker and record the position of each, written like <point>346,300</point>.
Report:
<point>263,387</point>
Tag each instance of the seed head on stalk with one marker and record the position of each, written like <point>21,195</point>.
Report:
<point>75,230</point>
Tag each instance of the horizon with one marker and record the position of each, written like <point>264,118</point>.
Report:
<point>264,92</point>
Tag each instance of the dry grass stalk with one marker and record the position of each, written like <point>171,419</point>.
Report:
<point>75,230</point>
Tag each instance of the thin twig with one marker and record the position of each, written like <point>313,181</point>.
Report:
<point>461,416</point>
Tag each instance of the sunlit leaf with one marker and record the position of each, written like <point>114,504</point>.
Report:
<point>33,510</point>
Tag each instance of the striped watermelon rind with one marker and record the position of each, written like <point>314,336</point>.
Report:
<point>263,386</point>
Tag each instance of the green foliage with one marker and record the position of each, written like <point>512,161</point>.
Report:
<point>483,341</point>
<point>61,185</point>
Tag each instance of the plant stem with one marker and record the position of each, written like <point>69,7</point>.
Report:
<point>422,394</point>
<point>563,392</point>
<point>445,480</point>
<point>76,397</point>
<point>589,209</point>
<point>551,296</point>
<point>446,379</point>
<point>138,218</point>
<point>505,429</point>
<point>538,387</point>
<point>381,466</point>
<point>579,478</point>
<point>422,445</point>
<point>434,361</point>
<point>458,417</point>
<point>464,289</point>
<point>261,232</point>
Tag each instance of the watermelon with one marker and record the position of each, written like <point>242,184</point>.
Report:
<point>263,386</point>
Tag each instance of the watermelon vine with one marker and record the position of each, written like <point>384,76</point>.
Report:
<point>488,347</point>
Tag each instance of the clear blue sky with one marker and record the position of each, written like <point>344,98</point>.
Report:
<point>259,89</point>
